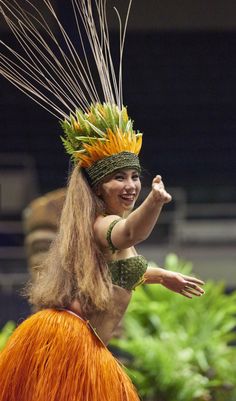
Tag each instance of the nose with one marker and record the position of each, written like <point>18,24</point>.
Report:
<point>129,185</point>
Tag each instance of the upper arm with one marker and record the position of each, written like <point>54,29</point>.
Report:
<point>119,235</point>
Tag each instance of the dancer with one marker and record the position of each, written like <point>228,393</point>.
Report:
<point>84,288</point>
<point>85,284</point>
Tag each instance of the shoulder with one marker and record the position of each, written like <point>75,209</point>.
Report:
<point>102,226</point>
<point>102,223</point>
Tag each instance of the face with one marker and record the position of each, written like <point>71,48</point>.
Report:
<point>120,191</point>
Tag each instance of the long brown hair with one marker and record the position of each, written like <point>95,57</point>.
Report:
<point>75,267</point>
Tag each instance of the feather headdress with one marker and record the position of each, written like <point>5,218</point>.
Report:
<point>57,74</point>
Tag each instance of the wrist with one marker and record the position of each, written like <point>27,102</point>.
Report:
<point>155,275</point>
<point>164,274</point>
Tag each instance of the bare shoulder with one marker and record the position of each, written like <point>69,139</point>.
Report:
<point>105,221</point>
<point>101,227</point>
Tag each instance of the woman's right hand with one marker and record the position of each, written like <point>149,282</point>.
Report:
<point>159,192</point>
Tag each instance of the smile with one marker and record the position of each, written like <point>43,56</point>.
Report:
<point>129,198</point>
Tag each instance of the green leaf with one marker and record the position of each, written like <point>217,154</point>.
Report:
<point>6,332</point>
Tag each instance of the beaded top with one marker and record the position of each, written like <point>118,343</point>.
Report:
<point>128,273</point>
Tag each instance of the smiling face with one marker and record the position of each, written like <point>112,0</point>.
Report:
<point>120,191</point>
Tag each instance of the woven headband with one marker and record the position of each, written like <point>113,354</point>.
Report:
<point>110,164</point>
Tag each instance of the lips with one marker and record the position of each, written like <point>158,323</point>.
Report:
<point>128,198</point>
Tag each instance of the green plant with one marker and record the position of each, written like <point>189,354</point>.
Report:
<point>5,333</point>
<point>180,349</point>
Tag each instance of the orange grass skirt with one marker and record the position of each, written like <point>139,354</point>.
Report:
<point>55,356</point>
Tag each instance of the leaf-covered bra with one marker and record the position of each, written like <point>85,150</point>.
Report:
<point>126,273</point>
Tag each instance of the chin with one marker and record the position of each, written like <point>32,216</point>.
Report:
<point>128,209</point>
<point>123,209</point>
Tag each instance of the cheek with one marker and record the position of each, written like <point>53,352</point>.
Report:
<point>138,188</point>
<point>110,190</point>
<point>114,186</point>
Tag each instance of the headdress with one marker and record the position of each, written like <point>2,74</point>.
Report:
<point>98,134</point>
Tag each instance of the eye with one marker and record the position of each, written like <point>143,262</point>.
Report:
<point>135,177</point>
<point>119,177</point>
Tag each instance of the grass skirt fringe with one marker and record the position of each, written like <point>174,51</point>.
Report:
<point>54,356</point>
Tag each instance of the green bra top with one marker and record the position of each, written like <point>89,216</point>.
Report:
<point>126,273</point>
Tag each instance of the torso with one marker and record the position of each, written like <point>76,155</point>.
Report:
<point>120,254</point>
<point>126,267</point>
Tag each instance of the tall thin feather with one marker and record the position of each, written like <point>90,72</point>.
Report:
<point>49,68</point>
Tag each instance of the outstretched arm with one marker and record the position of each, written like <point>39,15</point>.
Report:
<point>141,222</point>
<point>177,282</point>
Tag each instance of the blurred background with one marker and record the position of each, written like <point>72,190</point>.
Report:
<point>180,88</point>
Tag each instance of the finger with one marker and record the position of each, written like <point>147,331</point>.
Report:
<point>168,197</point>
<point>193,280</point>
<point>157,179</point>
<point>164,195</point>
<point>195,287</point>
<point>185,294</point>
<point>193,291</point>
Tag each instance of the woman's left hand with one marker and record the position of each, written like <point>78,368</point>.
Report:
<point>184,285</point>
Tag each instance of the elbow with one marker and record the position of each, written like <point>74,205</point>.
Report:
<point>134,235</point>
<point>134,238</point>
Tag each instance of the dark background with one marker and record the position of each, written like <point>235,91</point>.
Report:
<point>180,88</point>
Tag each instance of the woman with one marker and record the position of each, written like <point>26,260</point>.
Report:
<point>85,284</point>
<point>59,353</point>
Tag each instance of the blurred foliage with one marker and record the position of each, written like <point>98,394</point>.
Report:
<point>5,333</point>
<point>181,349</point>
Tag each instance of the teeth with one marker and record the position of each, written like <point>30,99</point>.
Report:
<point>128,197</point>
